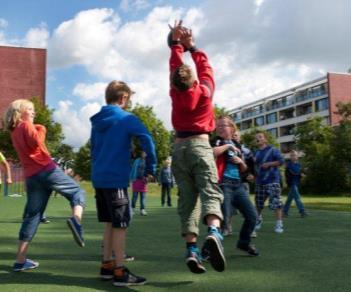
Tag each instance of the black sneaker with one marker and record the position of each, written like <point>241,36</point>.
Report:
<point>250,249</point>
<point>213,244</point>
<point>194,260</point>
<point>303,214</point>
<point>106,270</point>
<point>126,278</point>
<point>44,220</point>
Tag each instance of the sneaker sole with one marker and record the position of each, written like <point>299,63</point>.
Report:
<point>217,259</point>
<point>106,277</point>
<point>121,284</point>
<point>75,234</point>
<point>194,266</point>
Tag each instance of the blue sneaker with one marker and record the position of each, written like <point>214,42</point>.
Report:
<point>213,244</point>
<point>27,265</point>
<point>77,231</point>
<point>194,260</point>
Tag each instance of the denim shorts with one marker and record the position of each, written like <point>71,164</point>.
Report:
<point>270,191</point>
<point>113,206</point>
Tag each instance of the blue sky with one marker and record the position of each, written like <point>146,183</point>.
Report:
<point>257,48</point>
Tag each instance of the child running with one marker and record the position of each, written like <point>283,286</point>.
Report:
<point>267,162</point>
<point>193,162</point>
<point>112,131</point>
<point>42,177</point>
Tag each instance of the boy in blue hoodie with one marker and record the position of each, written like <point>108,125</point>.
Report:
<point>111,137</point>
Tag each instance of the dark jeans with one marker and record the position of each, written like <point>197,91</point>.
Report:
<point>142,199</point>
<point>166,191</point>
<point>235,195</point>
<point>294,194</point>
<point>39,188</point>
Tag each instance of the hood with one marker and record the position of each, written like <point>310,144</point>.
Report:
<point>106,118</point>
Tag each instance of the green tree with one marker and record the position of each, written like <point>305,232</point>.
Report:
<point>220,111</point>
<point>82,162</point>
<point>65,152</point>
<point>159,133</point>
<point>324,175</point>
<point>341,144</point>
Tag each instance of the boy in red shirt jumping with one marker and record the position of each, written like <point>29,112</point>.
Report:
<point>193,162</point>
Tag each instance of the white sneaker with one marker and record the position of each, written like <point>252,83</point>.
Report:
<point>143,212</point>
<point>254,234</point>
<point>278,229</point>
<point>259,223</point>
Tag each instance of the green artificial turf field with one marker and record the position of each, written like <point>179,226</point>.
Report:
<point>313,254</point>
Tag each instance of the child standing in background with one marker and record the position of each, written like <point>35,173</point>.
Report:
<point>139,183</point>
<point>166,181</point>
<point>4,166</point>
<point>293,177</point>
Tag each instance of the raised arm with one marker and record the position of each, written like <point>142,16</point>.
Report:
<point>177,49</point>
<point>204,70</point>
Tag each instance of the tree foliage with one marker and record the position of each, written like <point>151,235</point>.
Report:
<point>82,163</point>
<point>324,167</point>
<point>159,133</point>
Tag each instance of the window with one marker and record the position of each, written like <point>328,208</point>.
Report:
<point>322,104</point>
<point>259,121</point>
<point>271,118</point>
<point>273,132</point>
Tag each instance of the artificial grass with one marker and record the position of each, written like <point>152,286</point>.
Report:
<point>312,254</point>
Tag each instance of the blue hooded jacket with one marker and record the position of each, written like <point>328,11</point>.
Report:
<point>111,139</point>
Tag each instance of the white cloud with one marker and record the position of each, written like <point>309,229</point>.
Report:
<point>37,37</point>
<point>75,123</point>
<point>90,91</point>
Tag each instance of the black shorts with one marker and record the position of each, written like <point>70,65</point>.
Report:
<point>113,206</point>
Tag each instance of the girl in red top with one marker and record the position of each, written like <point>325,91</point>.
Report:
<point>42,177</point>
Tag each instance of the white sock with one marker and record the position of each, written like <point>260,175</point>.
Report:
<point>280,223</point>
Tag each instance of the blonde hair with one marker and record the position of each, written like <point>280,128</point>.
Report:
<point>230,122</point>
<point>14,112</point>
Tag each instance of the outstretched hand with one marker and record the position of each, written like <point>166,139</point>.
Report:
<point>177,30</point>
<point>187,38</point>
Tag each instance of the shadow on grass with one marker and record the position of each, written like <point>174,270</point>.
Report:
<point>35,277</point>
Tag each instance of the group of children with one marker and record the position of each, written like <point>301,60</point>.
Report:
<point>201,181</point>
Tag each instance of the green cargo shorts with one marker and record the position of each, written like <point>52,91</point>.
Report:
<point>195,172</point>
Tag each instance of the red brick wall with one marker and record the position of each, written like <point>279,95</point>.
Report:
<point>22,74</point>
<point>339,91</point>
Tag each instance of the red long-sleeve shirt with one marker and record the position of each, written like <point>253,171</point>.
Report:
<point>29,142</point>
<point>192,110</point>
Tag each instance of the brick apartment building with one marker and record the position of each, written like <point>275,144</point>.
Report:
<point>22,75</point>
<point>280,114</point>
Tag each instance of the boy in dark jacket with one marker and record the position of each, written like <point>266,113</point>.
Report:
<point>293,176</point>
<point>112,131</point>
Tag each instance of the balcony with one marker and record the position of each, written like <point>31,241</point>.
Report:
<point>304,109</point>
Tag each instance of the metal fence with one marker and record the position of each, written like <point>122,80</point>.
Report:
<point>17,188</point>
